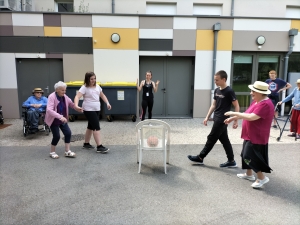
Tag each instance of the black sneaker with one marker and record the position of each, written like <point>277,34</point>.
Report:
<point>102,149</point>
<point>88,146</point>
<point>228,164</point>
<point>274,126</point>
<point>196,159</point>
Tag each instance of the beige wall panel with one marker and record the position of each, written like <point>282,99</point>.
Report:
<point>246,41</point>
<point>28,31</point>
<point>202,102</point>
<point>76,20</point>
<point>207,23</point>
<point>76,65</point>
<point>156,22</point>
<point>116,65</point>
<point>28,19</point>
<point>10,103</point>
<point>115,21</point>
<point>224,63</point>
<point>8,73</point>
<point>184,39</point>
<point>266,8</point>
<point>297,43</point>
<point>5,19</point>
<point>203,69</point>
<point>261,25</point>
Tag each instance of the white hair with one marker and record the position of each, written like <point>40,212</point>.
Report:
<point>60,84</point>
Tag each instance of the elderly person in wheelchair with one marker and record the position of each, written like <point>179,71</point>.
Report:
<point>35,105</point>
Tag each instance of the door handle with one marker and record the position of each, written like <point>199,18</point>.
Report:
<point>47,88</point>
<point>164,90</point>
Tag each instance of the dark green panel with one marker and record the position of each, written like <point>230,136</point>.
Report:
<point>156,44</point>
<point>75,45</point>
<point>21,44</point>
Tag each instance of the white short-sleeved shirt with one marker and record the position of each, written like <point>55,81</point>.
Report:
<point>91,97</point>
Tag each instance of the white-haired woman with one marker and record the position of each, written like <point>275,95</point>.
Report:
<point>56,117</point>
<point>257,120</point>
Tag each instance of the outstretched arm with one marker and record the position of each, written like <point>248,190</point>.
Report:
<point>155,85</point>
<point>141,85</point>
<point>236,109</point>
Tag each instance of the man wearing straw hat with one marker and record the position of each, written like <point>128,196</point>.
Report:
<point>36,104</point>
<point>257,120</point>
<point>295,118</point>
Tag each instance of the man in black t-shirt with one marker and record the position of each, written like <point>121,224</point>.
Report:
<point>224,96</point>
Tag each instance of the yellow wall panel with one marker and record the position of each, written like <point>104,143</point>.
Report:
<point>129,38</point>
<point>205,40</point>
<point>52,31</point>
<point>295,24</point>
<point>225,40</point>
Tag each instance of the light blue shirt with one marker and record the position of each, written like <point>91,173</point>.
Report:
<point>296,95</point>
<point>33,100</point>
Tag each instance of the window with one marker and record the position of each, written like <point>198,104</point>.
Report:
<point>161,8</point>
<point>292,12</point>
<point>64,6</point>
<point>201,9</point>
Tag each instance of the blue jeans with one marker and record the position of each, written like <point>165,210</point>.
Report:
<point>56,135</point>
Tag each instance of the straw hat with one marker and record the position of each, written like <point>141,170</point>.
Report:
<point>260,87</point>
<point>37,90</point>
<point>298,81</point>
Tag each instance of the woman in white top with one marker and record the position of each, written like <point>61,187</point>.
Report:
<point>91,108</point>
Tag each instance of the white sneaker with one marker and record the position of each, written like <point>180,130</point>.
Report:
<point>260,183</point>
<point>245,176</point>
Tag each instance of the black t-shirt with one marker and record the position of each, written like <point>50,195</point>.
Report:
<point>224,99</point>
<point>147,91</point>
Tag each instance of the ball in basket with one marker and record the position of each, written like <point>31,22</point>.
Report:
<point>152,141</point>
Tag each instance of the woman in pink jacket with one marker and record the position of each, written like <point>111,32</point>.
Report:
<point>56,117</point>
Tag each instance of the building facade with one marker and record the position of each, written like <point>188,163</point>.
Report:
<point>181,48</point>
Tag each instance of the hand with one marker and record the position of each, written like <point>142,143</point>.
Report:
<point>205,121</point>
<point>108,106</point>
<point>157,82</point>
<point>63,119</point>
<point>297,105</point>
<point>279,103</point>
<point>78,109</point>
<point>229,113</point>
<point>228,120</point>
<point>280,90</point>
<point>235,124</point>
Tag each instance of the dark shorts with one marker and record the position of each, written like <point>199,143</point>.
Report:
<point>93,119</point>
<point>275,100</point>
<point>255,157</point>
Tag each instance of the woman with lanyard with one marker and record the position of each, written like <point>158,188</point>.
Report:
<point>147,86</point>
<point>56,117</point>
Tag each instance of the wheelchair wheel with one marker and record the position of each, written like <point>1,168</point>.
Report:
<point>25,129</point>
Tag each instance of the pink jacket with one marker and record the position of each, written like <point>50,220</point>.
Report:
<point>51,112</point>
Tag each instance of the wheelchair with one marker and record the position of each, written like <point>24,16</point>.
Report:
<point>42,126</point>
<point>1,116</point>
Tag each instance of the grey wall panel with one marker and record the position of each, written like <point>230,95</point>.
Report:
<point>54,56</point>
<point>207,23</point>
<point>156,22</point>
<point>76,20</point>
<point>75,66</point>
<point>28,31</point>
<point>52,20</point>
<point>246,41</point>
<point>6,30</point>
<point>184,53</point>
<point>6,19</point>
<point>68,45</point>
<point>56,45</point>
<point>202,101</point>
<point>21,44</point>
<point>184,39</point>
<point>155,44</point>
<point>10,103</point>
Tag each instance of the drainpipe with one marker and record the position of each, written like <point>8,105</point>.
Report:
<point>292,34</point>
<point>216,28</point>
<point>112,6</point>
<point>232,8</point>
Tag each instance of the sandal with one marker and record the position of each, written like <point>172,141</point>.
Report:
<point>292,135</point>
<point>70,154</point>
<point>53,155</point>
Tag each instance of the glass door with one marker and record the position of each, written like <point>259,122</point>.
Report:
<point>248,68</point>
